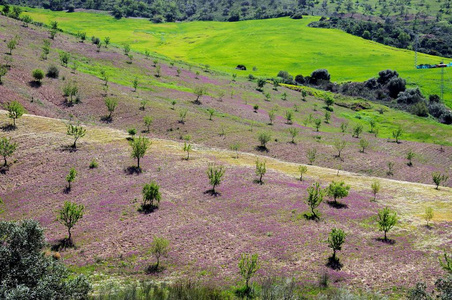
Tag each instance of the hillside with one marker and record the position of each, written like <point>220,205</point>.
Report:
<point>299,48</point>
<point>208,233</point>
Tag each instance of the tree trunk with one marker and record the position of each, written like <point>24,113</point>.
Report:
<point>138,162</point>
<point>69,235</point>
<point>6,163</point>
<point>385,237</point>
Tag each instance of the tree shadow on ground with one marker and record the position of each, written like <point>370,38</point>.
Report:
<point>34,84</point>
<point>154,269</point>
<point>62,244</point>
<point>311,217</point>
<point>147,209</point>
<point>9,127</point>
<point>67,190</point>
<point>337,205</point>
<point>386,241</point>
<point>211,192</point>
<point>4,169</point>
<point>133,170</point>
<point>334,263</point>
<point>106,119</point>
<point>257,181</point>
<point>261,149</point>
<point>68,148</point>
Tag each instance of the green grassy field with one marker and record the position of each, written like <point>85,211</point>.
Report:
<point>270,45</point>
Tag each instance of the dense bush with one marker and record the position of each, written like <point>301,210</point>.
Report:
<point>319,75</point>
<point>53,72</point>
<point>25,273</point>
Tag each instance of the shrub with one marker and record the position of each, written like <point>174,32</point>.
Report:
<point>289,116</point>
<point>315,198</point>
<point>64,58</point>
<point>93,164</point>
<point>446,264</point>
<point>132,131</point>
<point>344,126</point>
<point>285,77</point>
<point>26,271</point>
<point>151,193</point>
<point>3,71</point>
<point>187,148</point>
<point>139,147</point>
<point>69,215</point>
<point>7,148</point>
<point>271,116</point>
<point>215,175</point>
<point>261,169</point>
<point>11,45</point>
<point>319,75</point>
<point>199,92</point>
<point>53,71</point>
<point>410,155</point>
<point>300,79</point>
<point>260,84</point>
<point>38,75</point>
<point>182,115</point>
<point>386,220</point>
<point>386,75</point>
<point>395,86</point>
<point>70,89</point>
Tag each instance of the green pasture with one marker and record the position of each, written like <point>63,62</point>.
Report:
<point>269,45</point>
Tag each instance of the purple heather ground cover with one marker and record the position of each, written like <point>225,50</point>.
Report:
<point>207,234</point>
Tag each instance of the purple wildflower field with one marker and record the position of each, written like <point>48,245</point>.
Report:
<point>207,234</point>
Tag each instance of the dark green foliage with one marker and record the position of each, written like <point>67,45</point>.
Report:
<point>319,76</point>
<point>438,178</point>
<point>338,190</point>
<point>64,58</point>
<point>53,71</point>
<point>38,75</point>
<point>3,71</point>
<point>26,273</point>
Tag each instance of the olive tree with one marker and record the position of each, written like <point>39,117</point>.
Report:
<point>69,215</point>
<point>264,138</point>
<point>375,186</point>
<point>147,122</point>
<point>38,75</point>
<point>77,132</point>
<point>71,177</point>
<point>293,133</point>
<point>438,178</point>
<point>151,193</point>
<point>409,156</point>
<point>335,241</point>
<point>317,124</point>
<point>199,92</point>
<point>7,148</point>
<point>111,104</point>
<point>248,266</point>
<point>387,219</point>
<point>11,45</point>
<point>311,155</point>
<point>159,248</point>
<point>428,216</point>
<point>261,169</point>
<point>446,264</point>
<point>357,130</point>
<point>187,148</point>
<point>15,111</point>
<point>340,146</point>
<point>338,190</point>
<point>396,134</point>
<point>363,143</point>
<point>315,198</point>
<point>215,174</point>
<point>302,170</point>
<point>139,147</point>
